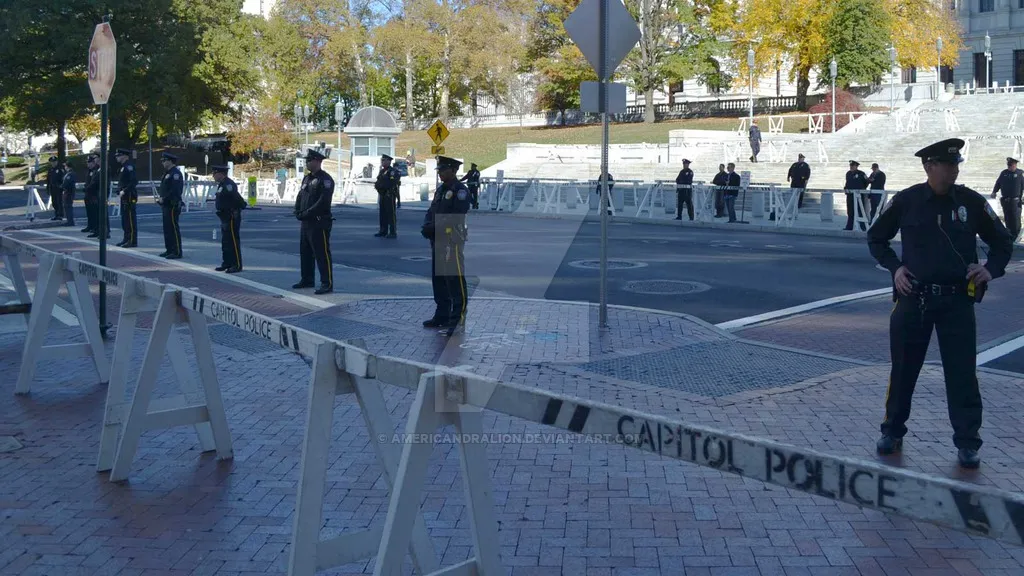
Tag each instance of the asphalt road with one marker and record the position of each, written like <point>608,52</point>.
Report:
<point>715,275</point>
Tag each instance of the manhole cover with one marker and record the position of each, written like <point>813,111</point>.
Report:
<point>674,287</point>
<point>9,444</point>
<point>612,264</point>
<point>416,258</point>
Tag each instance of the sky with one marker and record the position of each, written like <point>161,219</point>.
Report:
<point>253,6</point>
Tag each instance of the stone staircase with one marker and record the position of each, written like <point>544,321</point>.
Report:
<point>983,122</point>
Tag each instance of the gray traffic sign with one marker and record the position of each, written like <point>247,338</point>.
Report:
<point>584,28</point>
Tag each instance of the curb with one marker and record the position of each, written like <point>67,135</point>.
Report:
<point>33,226</point>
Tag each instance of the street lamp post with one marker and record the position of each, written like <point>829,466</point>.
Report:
<point>988,62</point>
<point>938,67</point>
<point>337,118</point>
<point>297,111</point>
<point>750,68</point>
<point>149,137</point>
<point>833,69</point>
<point>305,122</point>
<point>892,78</point>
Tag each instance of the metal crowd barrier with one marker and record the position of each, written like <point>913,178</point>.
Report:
<point>443,396</point>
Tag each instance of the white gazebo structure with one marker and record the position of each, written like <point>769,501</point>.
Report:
<point>373,131</point>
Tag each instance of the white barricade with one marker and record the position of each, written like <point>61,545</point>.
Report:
<point>822,153</point>
<point>778,153</point>
<point>1013,119</point>
<point>776,124</point>
<point>266,191</point>
<point>730,152</point>
<point>815,123</point>
<point>33,200</point>
<point>1018,149</point>
<point>445,396</point>
<point>952,124</point>
<point>291,190</point>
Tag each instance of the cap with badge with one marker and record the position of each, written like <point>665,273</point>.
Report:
<point>685,161</point>
<point>444,162</point>
<point>53,158</point>
<point>385,157</point>
<point>168,156</point>
<point>1010,160</point>
<point>219,169</point>
<point>313,155</point>
<point>945,152</point>
<point>122,152</point>
<point>854,163</point>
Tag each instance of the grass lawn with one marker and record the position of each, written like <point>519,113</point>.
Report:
<point>486,146</point>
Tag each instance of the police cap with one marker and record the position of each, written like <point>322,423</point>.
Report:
<point>219,169</point>
<point>385,157</point>
<point>854,163</point>
<point>53,158</point>
<point>313,155</point>
<point>945,152</point>
<point>122,152</point>
<point>168,156</point>
<point>1010,160</point>
<point>444,162</point>
<point>685,161</point>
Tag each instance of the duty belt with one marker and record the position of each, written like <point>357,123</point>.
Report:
<point>938,289</point>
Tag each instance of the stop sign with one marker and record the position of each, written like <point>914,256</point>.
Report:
<point>102,63</point>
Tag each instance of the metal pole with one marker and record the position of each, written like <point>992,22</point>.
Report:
<point>149,135</point>
<point>833,103</point>
<point>603,87</point>
<point>104,196</point>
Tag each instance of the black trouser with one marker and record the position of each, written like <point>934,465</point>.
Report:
<point>1011,215</point>
<point>684,196</point>
<point>315,246</point>
<point>474,196</point>
<point>91,215</point>
<point>230,241</point>
<point>719,203</point>
<point>57,203</point>
<point>69,206</point>
<point>875,199</point>
<point>129,223</point>
<point>910,331</point>
<point>172,232</point>
<point>448,272</point>
<point>800,198</point>
<point>388,214</point>
<point>850,211</point>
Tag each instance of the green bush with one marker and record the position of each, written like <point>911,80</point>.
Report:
<point>15,162</point>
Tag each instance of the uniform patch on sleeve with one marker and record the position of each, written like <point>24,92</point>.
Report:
<point>462,194</point>
<point>230,188</point>
<point>176,176</point>
<point>129,168</point>
<point>328,184</point>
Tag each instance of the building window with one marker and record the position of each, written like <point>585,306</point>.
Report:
<point>981,78</point>
<point>909,75</point>
<point>986,5</point>
<point>360,146</point>
<point>385,146</point>
<point>1018,67</point>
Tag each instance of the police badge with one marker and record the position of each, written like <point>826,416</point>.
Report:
<point>962,213</point>
<point>448,195</point>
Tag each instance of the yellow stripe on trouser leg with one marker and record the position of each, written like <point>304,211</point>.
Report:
<point>174,224</point>
<point>462,288</point>
<point>327,254</point>
<point>238,256</point>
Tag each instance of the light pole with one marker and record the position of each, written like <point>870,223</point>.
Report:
<point>149,136</point>
<point>988,62</point>
<point>337,118</point>
<point>833,69</point>
<point>297,110</point>
<point>305,122</point>
<point>892,78</point>
<point>938,67</point>
<point>750,68</point>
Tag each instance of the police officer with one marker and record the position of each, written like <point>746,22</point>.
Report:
<point>445,226</point>
<point>313,210</point>
<point>472,179</point>
<point>229,205</point>
<point>90,214</point>
<point>684,191</point>
<point>172,187</point>
<point>876,181</point>
<point>67,186</point>
<point>856,179</point>
<point>798,176</point>
<point>127,181</point>
<point>936,284</point>
<point>388,181</point>
<point>54,181</point>
<point>720,181</point>
<point>1011,184</point>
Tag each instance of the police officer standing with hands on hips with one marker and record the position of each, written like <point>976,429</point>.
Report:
<point>936,284</point>
<point>1011,184</point>
<point>228,205</point>
<point>313,210</point>
<point>856,179</point>
<point>472,179</point>
<point>171,188</point>
<point>684,191</point>
<point>127,182</point>
<point>54,180</point>
<point>445,226</point>
<point>798,176</point>
<point>67,186</point>
<point>388,181</point>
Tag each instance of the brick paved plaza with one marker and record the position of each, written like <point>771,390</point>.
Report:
<point>569,507</point>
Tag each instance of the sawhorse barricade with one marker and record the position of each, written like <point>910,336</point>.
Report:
<point>446,396</point>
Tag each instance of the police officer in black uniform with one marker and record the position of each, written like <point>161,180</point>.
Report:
<point>876,181</point>
<point>1011,184</point>
<point>445,226</point>
<point>92,190</point>
<point>313,210</point>
<point>67,186</point>
<point>127,181</point>
<point>172,187</point>
<point>856,179</point>
<point>54,180</point>
<point>684,191</point>
<point>388,181</point>
<point>472,179</point>
<point>936,284</point>
<point>720,181</point>
<point>798,175</point>
<point>229,205</point>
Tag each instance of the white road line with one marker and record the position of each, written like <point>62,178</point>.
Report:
<point>1000,350</point>
<point>62,315</point>
<point>300,299</point>
<point>793,310</point>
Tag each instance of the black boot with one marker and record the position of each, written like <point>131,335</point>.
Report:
<point>889,445</point>
<point>968,458</point>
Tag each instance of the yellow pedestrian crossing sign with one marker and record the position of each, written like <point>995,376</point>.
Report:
<point>437,132</point>
<point>437,150</point>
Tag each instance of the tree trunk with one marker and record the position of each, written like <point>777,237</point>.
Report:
<point>803,83</point>
<point>649,106</point>
<point>446,77</point>
<point>408,89</point>
<point>62,141</point>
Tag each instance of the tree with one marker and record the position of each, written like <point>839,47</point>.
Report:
<point>857,37</point>
<point>558,63</point>
<point>916,25</point>
<point>259,135</point>
<point>84,127</point>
